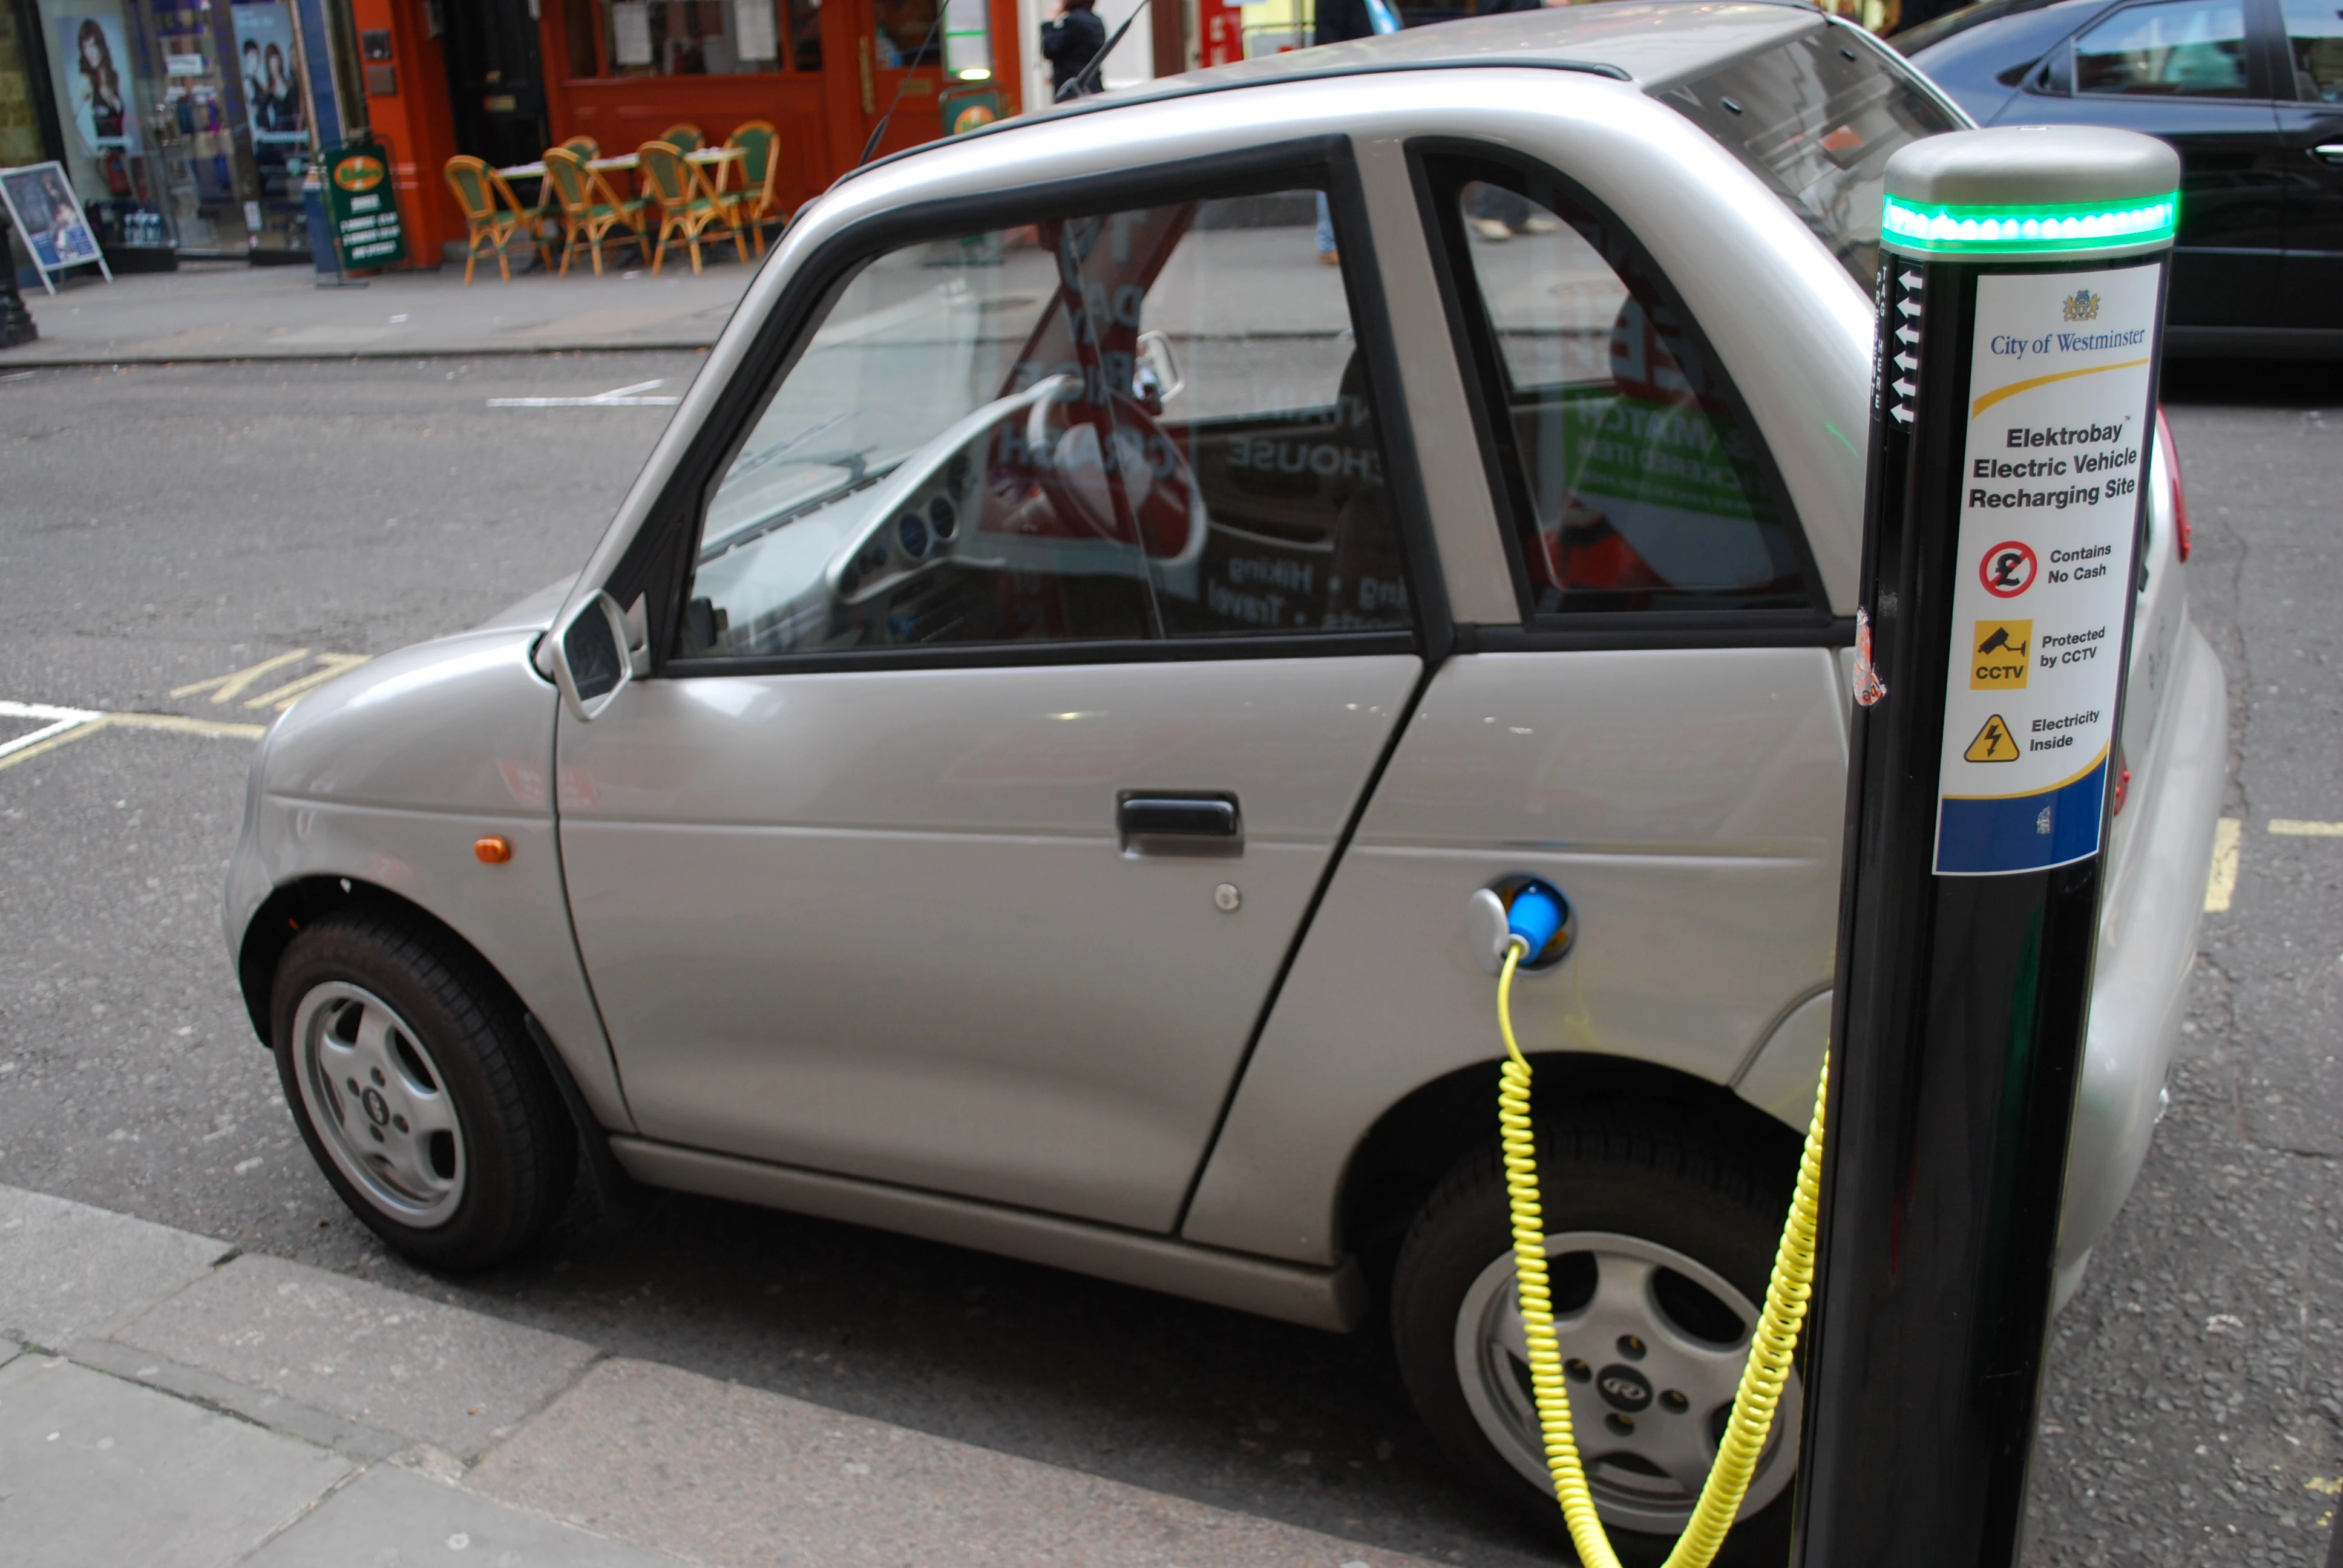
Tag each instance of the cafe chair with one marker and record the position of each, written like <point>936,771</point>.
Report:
<point>685,207</point>
<point>586,148</point>
<point>493,217</point>
<point>757,202</point>
<point>683,136</point>
<point>590,209</point>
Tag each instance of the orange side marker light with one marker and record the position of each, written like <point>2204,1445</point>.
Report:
<point>492,851</point>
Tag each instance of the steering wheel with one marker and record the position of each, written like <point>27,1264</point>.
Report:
<point>1157,482</point>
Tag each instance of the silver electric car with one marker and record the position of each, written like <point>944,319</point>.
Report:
<point>1017,767</point>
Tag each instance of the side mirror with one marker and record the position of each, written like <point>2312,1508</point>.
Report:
<point>590,661</point>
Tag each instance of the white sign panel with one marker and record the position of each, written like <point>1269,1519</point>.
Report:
<point>2059,431</point>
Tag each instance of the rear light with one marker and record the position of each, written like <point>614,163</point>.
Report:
<point>2172,475</point>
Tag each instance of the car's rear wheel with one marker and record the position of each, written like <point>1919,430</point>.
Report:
<point>415,1084</point>
<point>1660,1230</point>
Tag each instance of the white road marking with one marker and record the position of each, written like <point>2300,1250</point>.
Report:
<point>84,721</point>
<point>2295,829</point>
<point>617,397</point>
<point>2223,882</point>
<point>60,722</point>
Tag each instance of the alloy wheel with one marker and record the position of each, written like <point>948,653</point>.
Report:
<point>1652,1344</point>
<point>380,1104</point>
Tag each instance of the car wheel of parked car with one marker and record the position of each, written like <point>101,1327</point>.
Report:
<point>417,1090</point>
<point>1662,1230</point>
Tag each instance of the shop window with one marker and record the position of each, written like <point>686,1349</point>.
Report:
<point>907,33</point>
<point>1144,425</point>
<point>1634,484</point>
<point>708,37</point>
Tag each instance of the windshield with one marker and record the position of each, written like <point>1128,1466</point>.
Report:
<point>1816,119</point>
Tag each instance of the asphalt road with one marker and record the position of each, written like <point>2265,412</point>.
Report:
<point>161,528</point>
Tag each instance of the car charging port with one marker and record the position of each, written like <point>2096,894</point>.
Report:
<point>1545,918</point>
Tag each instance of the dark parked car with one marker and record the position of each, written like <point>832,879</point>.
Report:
<point>2250,92</point>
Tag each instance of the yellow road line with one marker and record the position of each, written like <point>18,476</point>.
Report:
<point>226,688</point>
<point>167,721</point>
<point>173,721</point>
<point>2222,884</point>
<point>282,697</point>
<point>41,749</point>
<point>2290,828</point>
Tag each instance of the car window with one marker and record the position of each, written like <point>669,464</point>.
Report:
<point>1633,484</point>
<point>1138,424</point>
<point>2313,33</point>
<point>1816,119</point>
<point>2177,48</point>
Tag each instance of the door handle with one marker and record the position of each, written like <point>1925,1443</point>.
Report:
<point>2328,152</point>
<point>1194,821</point>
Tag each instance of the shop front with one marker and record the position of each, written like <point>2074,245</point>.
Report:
<point>504,79</point>
<point>184,127</point>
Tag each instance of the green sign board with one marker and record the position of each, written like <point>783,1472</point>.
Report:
<point>1622,449</point>
<point>362,205</point>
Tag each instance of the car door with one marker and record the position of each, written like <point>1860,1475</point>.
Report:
<point>1043,632</point>
<point>1662,734</point>
<point>2310,137</point>
<point>2185,71</point>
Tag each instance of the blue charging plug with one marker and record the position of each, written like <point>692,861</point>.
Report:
<point>1534,915</point>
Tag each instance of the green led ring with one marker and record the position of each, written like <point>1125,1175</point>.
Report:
<point>1940,229</point>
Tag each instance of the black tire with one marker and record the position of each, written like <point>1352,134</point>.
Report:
<point>518,1147</point>
<point>1663,1176</point>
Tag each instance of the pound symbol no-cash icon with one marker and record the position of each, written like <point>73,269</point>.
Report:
<point>2007,569</point>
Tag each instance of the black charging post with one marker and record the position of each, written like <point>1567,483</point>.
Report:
<point>2021,307</point>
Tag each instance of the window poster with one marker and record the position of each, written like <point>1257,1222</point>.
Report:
<point>272,96</point>
<point>93,83</point>
<point>630,33</point>
<point>41,203</point>
<point>753,30</point>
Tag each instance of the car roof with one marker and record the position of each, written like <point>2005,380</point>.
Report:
<point>1651,44</point>
<point>1646,42</point>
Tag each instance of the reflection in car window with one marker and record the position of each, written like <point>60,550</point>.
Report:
<point>1635,487</point>
<point>1140,424</point>
<point>2179,48</point>
<point>1816,119</point>
<point>2313,33</point>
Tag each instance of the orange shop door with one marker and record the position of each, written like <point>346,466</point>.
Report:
<point>891,54</point>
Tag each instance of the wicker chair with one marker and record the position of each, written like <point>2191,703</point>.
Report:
<point>683,136</point>
<point>591,210</point>
<point>685,207</point>
<point>493,216</point>
<point>757,202</point>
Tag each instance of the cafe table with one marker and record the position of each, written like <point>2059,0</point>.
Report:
<point>715,166</point>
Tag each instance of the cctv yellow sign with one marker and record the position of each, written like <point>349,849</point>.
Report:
<point>1999,654</point>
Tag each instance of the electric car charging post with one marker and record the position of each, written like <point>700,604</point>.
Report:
<point>2021,301</point>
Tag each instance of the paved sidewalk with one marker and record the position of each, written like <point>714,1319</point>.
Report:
<point>166,1402</point>
<point>211,310</point>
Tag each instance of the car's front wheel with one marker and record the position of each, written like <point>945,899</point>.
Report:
<point>414,1083</point>
<point>1660,1229</point>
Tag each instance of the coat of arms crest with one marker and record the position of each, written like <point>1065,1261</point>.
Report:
<point>2081,305</point>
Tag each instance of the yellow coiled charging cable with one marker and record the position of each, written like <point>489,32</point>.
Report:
<point>1770,1347</point>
